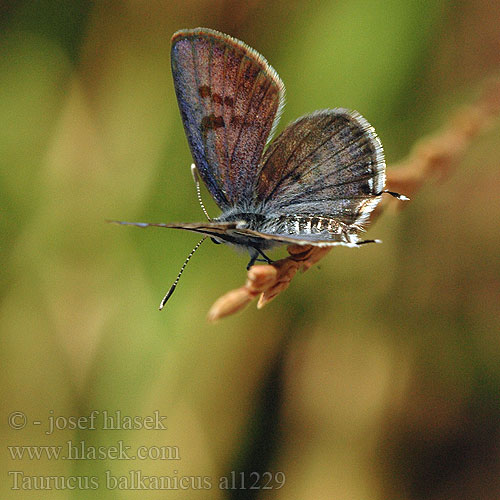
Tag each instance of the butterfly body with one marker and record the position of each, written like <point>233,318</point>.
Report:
<point>297,225</point>
<point>315,184</point>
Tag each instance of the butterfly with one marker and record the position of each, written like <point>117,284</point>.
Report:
<point>315,184</point>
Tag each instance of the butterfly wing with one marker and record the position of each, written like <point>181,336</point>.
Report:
<point>265,240</point>
<point>230,100</point>
<point>329,163</point>
<point>213,229</point>
<point>236,233</point>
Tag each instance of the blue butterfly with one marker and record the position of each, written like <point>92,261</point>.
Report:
<point>315,184</point>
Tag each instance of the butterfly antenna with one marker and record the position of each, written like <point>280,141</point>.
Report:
<point>401,197</point>
<point>196,177</point>
<point>172,288</point>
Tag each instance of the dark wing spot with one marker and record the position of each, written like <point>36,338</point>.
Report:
<point>236,120</point>
<point>211,122</point>
<point>239,121</point>
<point>228,101</point>
<point>217,98</point>
<point>205,91</point>
<point>218,121</point>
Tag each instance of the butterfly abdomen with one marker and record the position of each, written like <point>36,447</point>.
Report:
<point>297,224</point>
<point>308,224</point>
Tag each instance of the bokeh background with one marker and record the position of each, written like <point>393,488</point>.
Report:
<point>376,375</point>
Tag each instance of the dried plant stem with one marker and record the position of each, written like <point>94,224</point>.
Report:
<point>437,155</point>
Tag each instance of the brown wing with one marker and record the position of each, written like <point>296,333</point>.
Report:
<point>329,163</point>
<point>230,100</point>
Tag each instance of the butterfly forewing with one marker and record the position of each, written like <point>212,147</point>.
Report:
<point>230,99</point>
<point>233,232</point>
<point>329,163</point>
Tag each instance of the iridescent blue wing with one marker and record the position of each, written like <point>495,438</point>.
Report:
<point>230,100</point>
<point>329,163</point>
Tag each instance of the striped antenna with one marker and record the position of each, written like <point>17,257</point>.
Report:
<point>172,288</point>
<point>194,172</point>
<point>401,197</point>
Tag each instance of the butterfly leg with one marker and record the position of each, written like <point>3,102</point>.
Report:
<point>254,254</point>
<point>253,258</point>
<point>266,258</point>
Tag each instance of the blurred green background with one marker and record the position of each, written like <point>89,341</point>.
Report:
<point>376,375</point>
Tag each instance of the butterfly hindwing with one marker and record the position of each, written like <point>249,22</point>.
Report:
<point>230,100</point>
<point>328,163</point>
